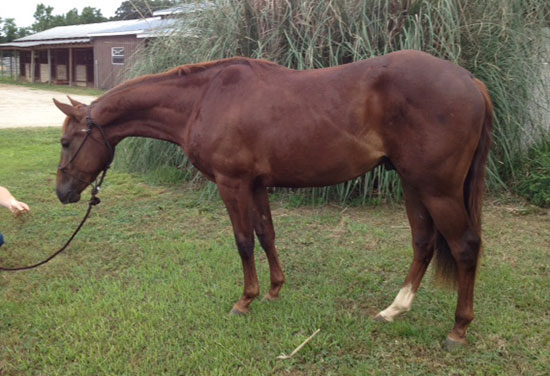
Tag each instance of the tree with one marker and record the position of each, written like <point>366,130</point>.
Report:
<point>72,17</point>
<point>134,9</point>
<point>44,19</point>
<point>9,30</point>
<point>91,15</point>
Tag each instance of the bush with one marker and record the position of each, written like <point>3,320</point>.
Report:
<point>535,185</point>
<point>498,40</point>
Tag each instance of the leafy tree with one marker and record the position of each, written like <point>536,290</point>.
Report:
<point>9,30</point>
<point>134,9</point>
<point>91,15</point>
<point>44,18</point>
<point>72,17</point>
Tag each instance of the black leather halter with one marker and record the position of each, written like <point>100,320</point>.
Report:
<point>91,125</point>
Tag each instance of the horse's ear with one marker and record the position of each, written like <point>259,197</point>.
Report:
<point>65,108</point>
<point>74,102</point>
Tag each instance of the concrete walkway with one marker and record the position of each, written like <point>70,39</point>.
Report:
<point>25,107</point>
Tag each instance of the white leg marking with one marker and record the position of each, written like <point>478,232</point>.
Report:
<point>402,303</point>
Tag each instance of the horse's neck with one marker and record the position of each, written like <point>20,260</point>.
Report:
<point>154,107</point>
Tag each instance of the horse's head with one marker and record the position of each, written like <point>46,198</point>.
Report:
<point>85,151</point>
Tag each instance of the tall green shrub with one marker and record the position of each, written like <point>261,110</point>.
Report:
<point>535,184</point>
<point>498,40</point>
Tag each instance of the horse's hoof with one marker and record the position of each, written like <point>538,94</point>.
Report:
<point>381,318</point>
<point>269,298</point>
<point>453,344</point>
<point>237,312</point>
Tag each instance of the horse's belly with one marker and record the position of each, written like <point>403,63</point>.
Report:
<point>330,163</point>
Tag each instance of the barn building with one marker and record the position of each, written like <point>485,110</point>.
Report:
<point>92,55</point>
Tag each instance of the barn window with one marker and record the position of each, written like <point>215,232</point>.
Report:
<point>117,55</point>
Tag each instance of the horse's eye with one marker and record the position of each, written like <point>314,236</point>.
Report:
<point>65,143</point>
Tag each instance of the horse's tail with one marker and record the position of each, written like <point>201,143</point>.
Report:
<point>474,187</point>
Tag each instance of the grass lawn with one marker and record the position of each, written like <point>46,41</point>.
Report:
<point>146,287</point>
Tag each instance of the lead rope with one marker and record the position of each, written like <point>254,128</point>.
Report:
<point>94,200</point>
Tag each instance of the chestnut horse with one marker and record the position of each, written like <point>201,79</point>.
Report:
<point>250,124</point>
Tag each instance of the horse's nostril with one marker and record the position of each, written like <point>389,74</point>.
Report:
<point>68,196</point>
<point>62,196</point>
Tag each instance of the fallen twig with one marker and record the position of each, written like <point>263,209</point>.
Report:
<point>283,356</point>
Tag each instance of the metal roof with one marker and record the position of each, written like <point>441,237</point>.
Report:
<point>142,28</point>
<point>147,25</point>
<point>45,42</point>
<point>75,31</point>
<point>73,34</point>
<point>125,27</point>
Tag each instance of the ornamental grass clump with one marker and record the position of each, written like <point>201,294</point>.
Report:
<point>500,41</point>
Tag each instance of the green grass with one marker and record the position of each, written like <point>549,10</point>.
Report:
<point>61,88</point>
<point>146,287</point>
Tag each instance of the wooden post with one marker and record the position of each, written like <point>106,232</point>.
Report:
<point>96,73</point>
<point>49,66</point>
<point>32,66</point>
<point>70,66</point>
<point>17,66</point>
<point>2,63</point>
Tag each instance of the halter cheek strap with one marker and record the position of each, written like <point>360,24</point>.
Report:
<point>97,185</point>
<point>90,126</point>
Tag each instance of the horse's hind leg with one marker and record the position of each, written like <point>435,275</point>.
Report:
<point>263,226</point>
<point>237,196</point>
<point>452,220</point>
<point>423,239</point>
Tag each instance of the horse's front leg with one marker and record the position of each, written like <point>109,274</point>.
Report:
<point>238,199</point>
<point>263,225</point>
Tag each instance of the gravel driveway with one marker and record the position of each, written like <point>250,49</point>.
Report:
<point>25,107</point>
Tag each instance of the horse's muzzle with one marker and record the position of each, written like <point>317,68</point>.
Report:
<point>68,197</point>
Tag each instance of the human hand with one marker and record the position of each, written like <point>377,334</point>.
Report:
<point>18,207</point>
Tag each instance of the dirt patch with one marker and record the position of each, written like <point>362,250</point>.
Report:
<point>27,107</point>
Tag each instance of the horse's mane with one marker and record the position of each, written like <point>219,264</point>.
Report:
<point>182,71</point>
